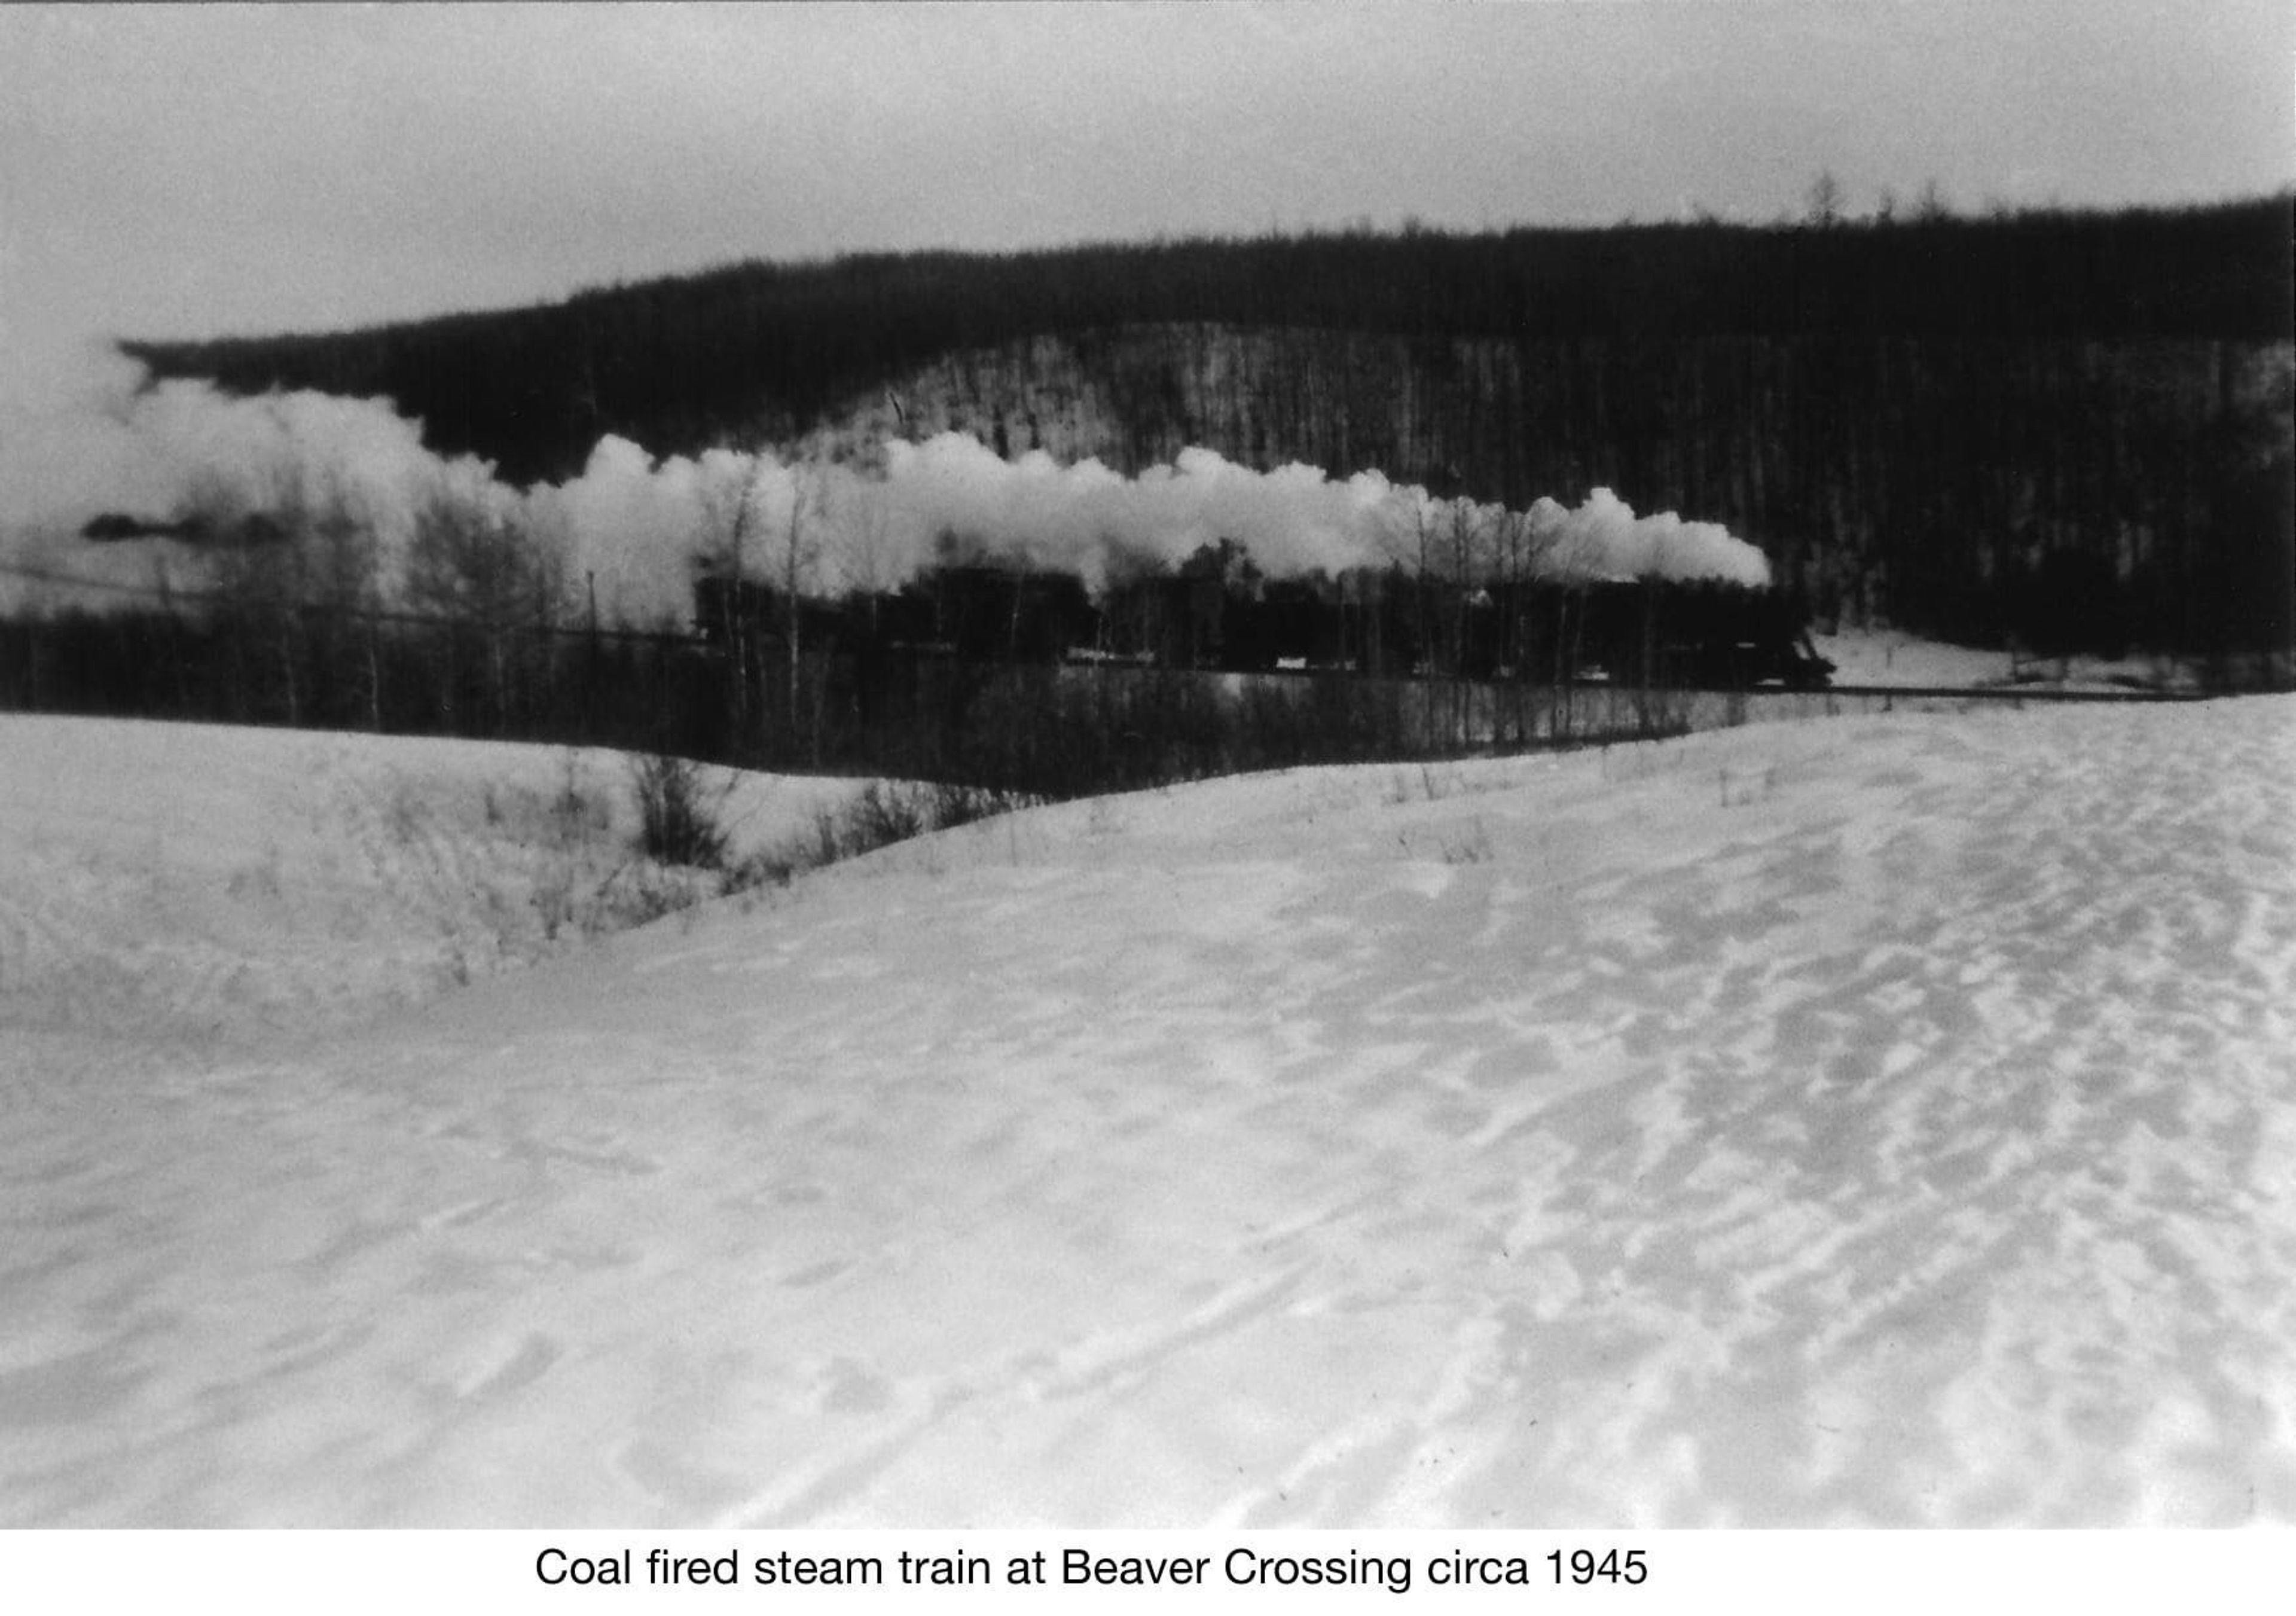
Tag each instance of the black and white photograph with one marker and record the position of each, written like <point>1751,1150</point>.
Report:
<point>1084,767</point>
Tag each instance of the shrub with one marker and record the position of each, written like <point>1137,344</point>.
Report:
<point>880,815</point>
<point>678,816</point>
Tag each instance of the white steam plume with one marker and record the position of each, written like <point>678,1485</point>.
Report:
<point>96,440</point>
<point>636,530</point>
<point>1604,538</point>
<point>1088,519</point>
<point>1293,519</point>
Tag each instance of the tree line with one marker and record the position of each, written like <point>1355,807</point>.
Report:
<point>2071,424</point>
<point>679,363</point>
<point>973,671</point>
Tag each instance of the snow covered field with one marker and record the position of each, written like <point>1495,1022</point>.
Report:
<point>1885,657</point>
<point>1888,1121</point>
<point>212,882</point>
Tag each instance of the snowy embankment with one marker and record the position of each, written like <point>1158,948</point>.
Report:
<point>1884,657</point>
<point>209,881</point>
<point>1887,1120</point>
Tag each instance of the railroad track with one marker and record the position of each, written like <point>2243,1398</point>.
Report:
<point>1989,692</point>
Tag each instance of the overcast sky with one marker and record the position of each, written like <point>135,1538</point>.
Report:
<point>205,169</point>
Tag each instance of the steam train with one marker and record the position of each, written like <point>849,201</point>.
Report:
<point>1697,635</point>
<point>1381,623</point>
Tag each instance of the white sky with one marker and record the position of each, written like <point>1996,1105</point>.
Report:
<point>205,170</point>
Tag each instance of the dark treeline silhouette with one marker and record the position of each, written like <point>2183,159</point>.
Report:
<point>971,673</point>
<point>1917,482</point>
<point>1216,611</point>
<point>676,363</point>
<point>1044,728</point>
<point>327,666</point>
<point>2060,429</point>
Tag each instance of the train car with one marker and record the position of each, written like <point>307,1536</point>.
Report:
<point>1727,637</point>
<point>1695,636</point>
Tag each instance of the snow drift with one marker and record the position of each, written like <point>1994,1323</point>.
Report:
<point>1884,1122</point>
<point>166,882</point>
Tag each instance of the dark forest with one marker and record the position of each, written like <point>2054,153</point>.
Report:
<point>1961,426</point>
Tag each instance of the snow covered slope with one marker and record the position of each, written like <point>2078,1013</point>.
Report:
<point>214,883</point>
<point>1890,1120</point>
<point>1886,656</point>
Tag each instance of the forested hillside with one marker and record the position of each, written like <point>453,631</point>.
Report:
<point>2063,423</point>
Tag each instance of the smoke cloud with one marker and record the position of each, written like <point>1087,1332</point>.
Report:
<point>633,531</point>
<point>1604,538</point>
<point>1091,520</point>
<point>97,439</point>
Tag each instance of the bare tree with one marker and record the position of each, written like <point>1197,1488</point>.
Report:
<point>798,562</point>
<point>1511,565</point>
<point>729,506</point>
<point>254,589</point>
<point>1468,531</point>
<point>343,585</point>
<point>866,565</point>
<point>1563,554</point>
<point>472,562</point>
<point>1824,200</point>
